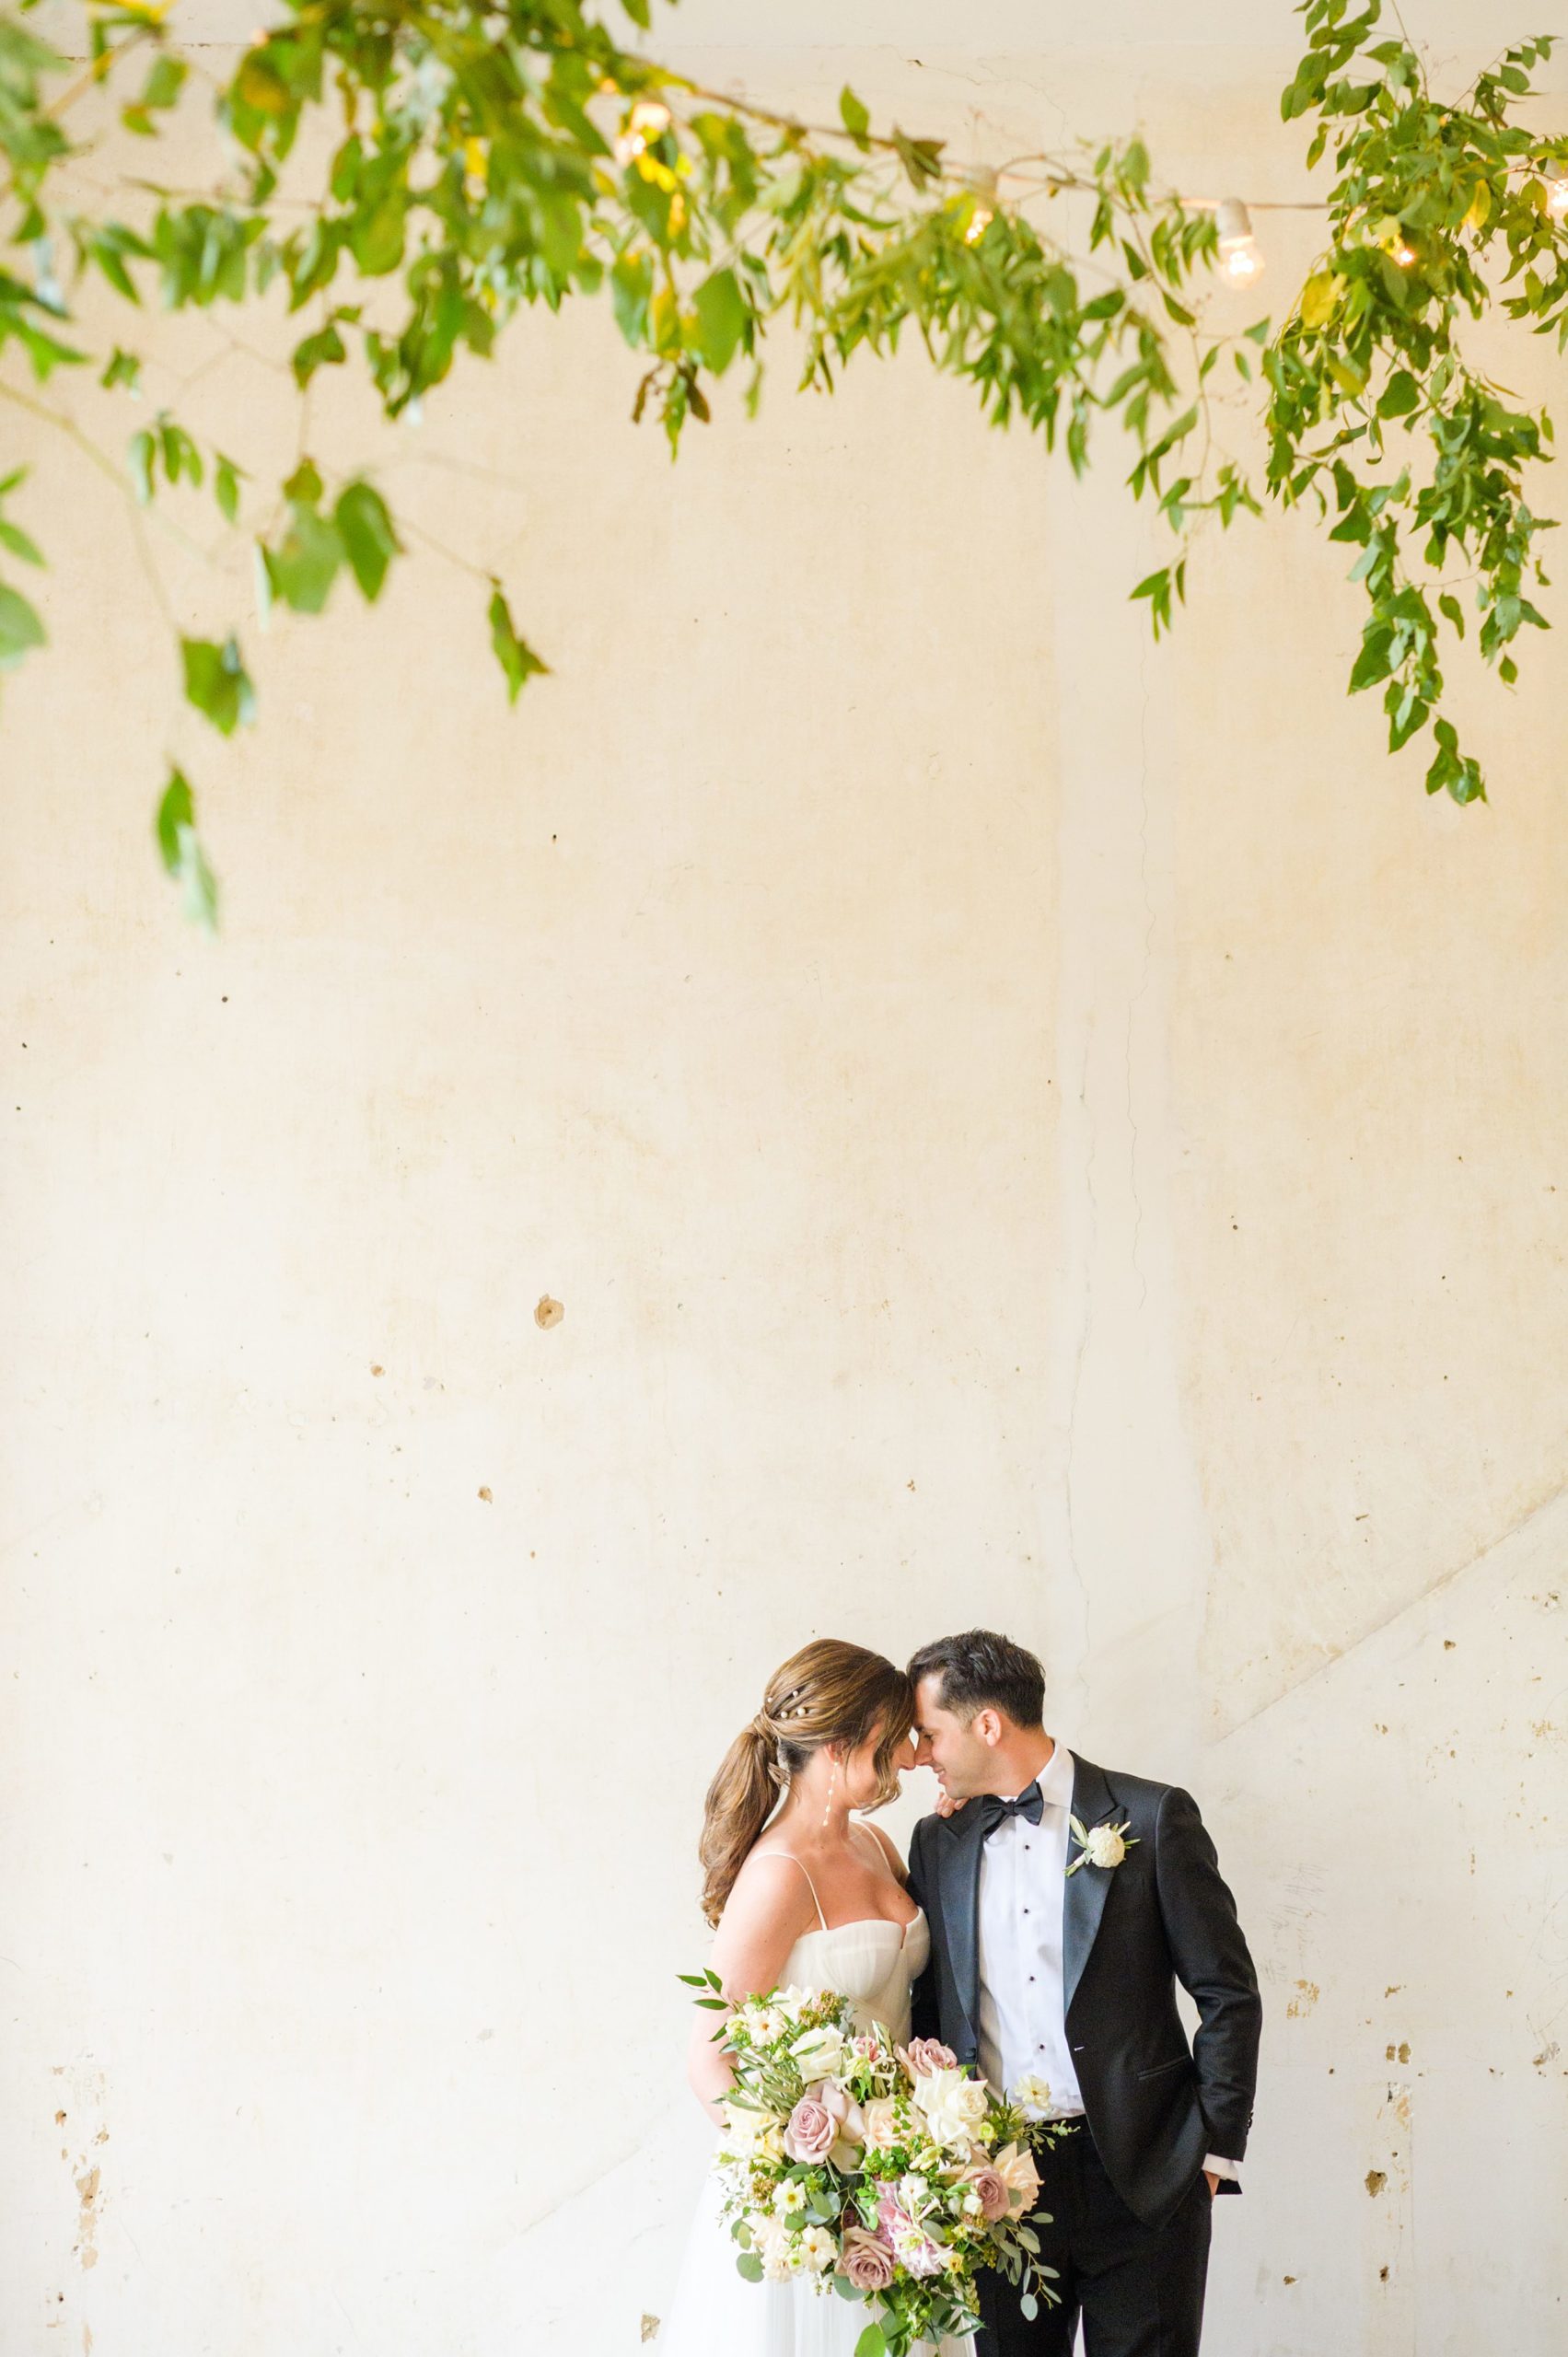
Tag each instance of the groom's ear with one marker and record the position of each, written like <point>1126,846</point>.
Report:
<point>987,1725</point>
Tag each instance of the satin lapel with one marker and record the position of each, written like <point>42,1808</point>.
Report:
<point>959,1874</point>
<point>1085,1892</point>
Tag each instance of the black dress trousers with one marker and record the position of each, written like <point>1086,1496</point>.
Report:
<point>1139,2289</point>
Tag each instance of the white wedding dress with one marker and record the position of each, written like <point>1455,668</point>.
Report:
<point>716,2313</point>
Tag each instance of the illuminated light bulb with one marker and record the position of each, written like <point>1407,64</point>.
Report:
<point>1557,191</point>
<point>1240,261</point>
<point>648,120</point>
<point>983,183</point>
<point>1404,255</point>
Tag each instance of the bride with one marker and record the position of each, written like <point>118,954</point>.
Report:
<point>803,1894</point>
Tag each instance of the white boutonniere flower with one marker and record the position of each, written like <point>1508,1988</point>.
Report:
<point>1100,1845</point>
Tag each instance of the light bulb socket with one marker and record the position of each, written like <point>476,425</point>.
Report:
<point>1231,221</point>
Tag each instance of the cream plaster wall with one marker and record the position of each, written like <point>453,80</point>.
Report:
<point>1024,1126</point>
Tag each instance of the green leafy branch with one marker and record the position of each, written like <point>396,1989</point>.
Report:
<point>1373,412</point>
<point>485,159</point>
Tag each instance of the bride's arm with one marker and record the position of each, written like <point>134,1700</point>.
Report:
<point>763,1919</point>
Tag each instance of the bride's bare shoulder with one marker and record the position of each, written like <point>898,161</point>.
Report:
<point>891,1856</point>
<point>772,1883</point>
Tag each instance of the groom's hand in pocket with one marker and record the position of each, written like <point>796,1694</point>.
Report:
<point>1212,2181</point>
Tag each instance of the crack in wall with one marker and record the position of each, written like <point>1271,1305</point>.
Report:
<point>1437,1587</point>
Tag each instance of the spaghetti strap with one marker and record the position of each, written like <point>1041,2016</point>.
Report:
<point>877,1852</point>
<point>810,1884</point>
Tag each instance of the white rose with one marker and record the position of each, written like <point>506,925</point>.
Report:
<point>747,2131</point>
<point>821,2052</point>
<point>954,2106</point>
<point>1103,1846</point>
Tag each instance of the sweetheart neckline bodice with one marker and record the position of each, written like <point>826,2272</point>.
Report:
<point>866,1923</point>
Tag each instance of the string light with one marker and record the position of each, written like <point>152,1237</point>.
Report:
<point>1557,191</point>
<point>1240,260</point>
<point>984,208</point>
<point>1404,255</point>
<point>648,120</point>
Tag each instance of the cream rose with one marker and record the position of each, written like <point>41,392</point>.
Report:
<point>954,2107</point>
<point>747,2131</point>
<point>881,2120</point>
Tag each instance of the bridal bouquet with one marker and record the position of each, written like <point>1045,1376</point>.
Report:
<point>886,2174</point>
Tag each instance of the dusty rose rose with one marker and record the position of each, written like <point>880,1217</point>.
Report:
<point>866,2261</point>
<point>881,2123</point>
<point>812,2131</point>
<point>849,2121</point>
<point>826,2125</point>
<point>924,2054</point>
<point>996,2200</point>
<point>1015,2165</point>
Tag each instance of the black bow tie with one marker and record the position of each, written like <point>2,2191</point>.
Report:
<point>994,1811</point>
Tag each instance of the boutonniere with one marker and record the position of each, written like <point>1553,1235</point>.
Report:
<point>1100,1845</point>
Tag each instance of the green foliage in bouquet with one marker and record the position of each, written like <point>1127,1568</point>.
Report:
<point>884,2173</point>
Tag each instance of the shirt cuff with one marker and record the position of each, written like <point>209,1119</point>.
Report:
<point>1217,2168</point>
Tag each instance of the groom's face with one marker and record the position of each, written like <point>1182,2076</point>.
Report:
<point>956,1748</point>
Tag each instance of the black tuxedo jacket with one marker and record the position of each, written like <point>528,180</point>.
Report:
<point>1130,1933</point>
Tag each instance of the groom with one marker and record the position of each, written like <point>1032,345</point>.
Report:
<point>1054,1956</point>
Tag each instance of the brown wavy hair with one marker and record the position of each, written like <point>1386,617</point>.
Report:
<point>829,1692</point>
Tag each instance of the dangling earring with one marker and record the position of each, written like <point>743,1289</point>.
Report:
<point>832,1787</point>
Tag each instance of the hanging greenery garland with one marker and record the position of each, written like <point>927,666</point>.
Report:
<point>477,158</point>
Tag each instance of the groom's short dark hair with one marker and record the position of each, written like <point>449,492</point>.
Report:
<point>980,1668</point>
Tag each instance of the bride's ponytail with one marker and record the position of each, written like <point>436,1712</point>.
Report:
<point>740,1801</point>
<point>829,1692</point>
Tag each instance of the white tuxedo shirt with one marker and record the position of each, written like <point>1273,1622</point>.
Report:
<point>1022,2028</point>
